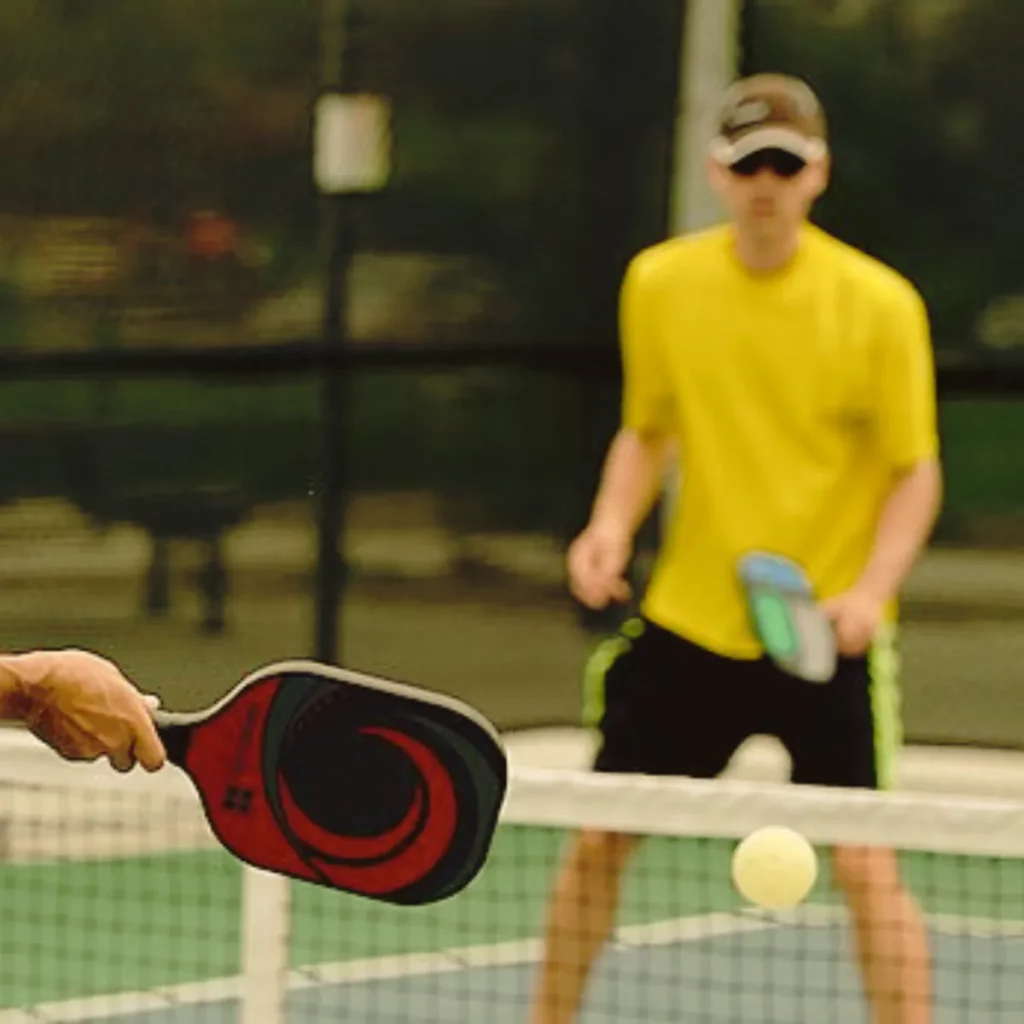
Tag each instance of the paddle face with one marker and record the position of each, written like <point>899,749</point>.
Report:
<point>787,619</point>
<point>346,780</point>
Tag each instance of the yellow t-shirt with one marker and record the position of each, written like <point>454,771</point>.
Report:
<point>793,398</point>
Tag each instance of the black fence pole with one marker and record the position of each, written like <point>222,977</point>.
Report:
<point>330,568</point>
<point>335,73</point>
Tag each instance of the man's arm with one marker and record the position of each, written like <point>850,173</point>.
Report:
<point>634,466</point>
<point>908,438</point>
<point>908,433</point>
<point>631,481</point>
<point>903,530</point>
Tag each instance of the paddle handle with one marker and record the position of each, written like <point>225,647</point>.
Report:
<point>175,729</point>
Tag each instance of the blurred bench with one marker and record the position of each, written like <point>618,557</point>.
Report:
<point>115,475</point>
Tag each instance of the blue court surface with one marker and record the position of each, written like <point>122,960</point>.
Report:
<point>718,968</point>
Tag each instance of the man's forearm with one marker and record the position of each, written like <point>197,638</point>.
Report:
<point>903,529</point>
<point>631,481</point>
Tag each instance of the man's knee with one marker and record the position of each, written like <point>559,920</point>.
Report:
<point>866,873</point>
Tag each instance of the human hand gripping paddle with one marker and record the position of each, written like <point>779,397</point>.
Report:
<point>794,629</point>
<point>344,779</point>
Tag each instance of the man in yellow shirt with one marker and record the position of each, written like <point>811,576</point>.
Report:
<point>793,377</point>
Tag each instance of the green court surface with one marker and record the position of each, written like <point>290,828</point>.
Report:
<point>78,929</point>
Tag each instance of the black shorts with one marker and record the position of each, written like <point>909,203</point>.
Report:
<point>665,706</point>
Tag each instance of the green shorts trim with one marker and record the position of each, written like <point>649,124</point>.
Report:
<point>886,704</point>
<point>713,703</point>
<point>607,652</point>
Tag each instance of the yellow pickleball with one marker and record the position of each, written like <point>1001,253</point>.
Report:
<point>775,868</point>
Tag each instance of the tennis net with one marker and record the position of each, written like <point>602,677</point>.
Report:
<point>118,906</point>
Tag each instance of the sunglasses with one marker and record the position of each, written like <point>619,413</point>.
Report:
<point>778,161</point>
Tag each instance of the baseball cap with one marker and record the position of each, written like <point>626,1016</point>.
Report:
<point>770,111</point>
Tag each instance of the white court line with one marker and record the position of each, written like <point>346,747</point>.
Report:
<point>501,954</point>
<point>955,925</point>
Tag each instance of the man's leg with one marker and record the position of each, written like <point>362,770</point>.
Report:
<point>664,706</point>
<point>847,733</point>
<point>580,920</point>
<point>892,942</point>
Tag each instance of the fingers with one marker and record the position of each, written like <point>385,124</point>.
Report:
<point>854,635</point>
<point>844,644</point>
<point>598,590</point>
<point>139,746</point>
<point>149,749</point>
<point>141,742</point>
<point>71,744</point>
<point>596,577</point>
<point>586,593</point>
<point>121,760</point>
<point>122,745</point>
<point>137,740</point>
<point>85,707</point>
<point>852,643</point>
<point>585,583</point>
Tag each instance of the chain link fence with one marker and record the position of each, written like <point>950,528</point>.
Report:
<point>168,432</point>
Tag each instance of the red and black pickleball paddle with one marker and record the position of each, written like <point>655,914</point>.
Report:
<point>345,779</point>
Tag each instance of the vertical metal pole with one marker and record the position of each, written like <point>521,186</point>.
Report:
<point>337,239</point>
<point>333,391</point>
<point>332,41</point>
<point>710,62</point>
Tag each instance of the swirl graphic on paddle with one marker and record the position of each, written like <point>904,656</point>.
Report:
<point>346,780</point>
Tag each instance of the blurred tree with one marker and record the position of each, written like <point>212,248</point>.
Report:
<point>979,73</point>
<point>919,94</point>
<point>118,106</point>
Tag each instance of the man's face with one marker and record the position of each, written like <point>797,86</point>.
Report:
<point>770,192</point>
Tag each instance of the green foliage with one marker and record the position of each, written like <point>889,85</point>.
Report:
<point>922,97</point>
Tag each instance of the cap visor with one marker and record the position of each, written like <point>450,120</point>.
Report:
<point>769,138</point>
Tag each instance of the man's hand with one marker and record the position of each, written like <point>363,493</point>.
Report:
<point>82,706</point>
<point>856,615</point>
<point>598,559</point>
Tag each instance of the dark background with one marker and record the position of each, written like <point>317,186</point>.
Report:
<point>180,434</point>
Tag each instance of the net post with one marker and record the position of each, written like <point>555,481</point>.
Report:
<point>266,919</point>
